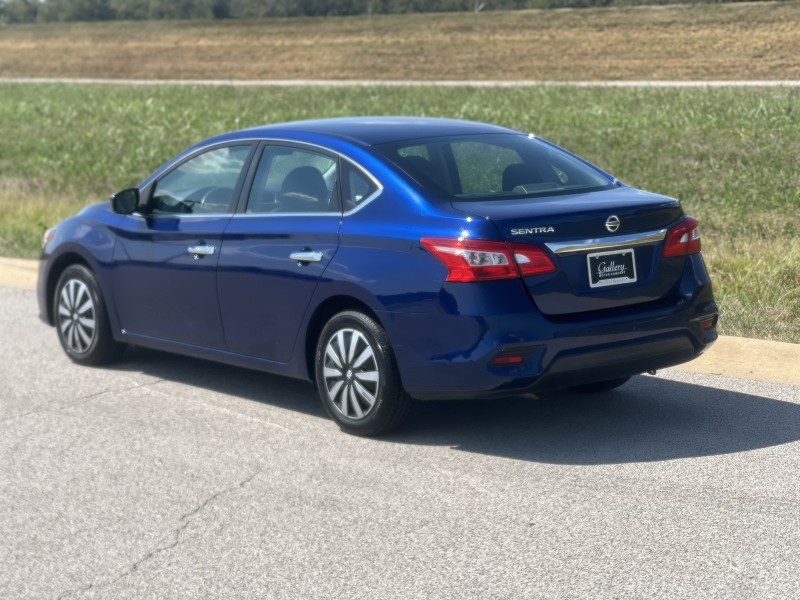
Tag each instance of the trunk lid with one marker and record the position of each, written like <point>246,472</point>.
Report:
<point>597,268</point>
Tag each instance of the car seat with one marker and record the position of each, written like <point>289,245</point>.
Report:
<point>304,190</point>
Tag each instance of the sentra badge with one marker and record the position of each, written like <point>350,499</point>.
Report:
<point>532,230</point>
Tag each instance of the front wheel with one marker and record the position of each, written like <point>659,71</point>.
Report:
<point>82,320</point>
<point>357,376</point>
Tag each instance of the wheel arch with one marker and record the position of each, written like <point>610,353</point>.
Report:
<point>58,266</point>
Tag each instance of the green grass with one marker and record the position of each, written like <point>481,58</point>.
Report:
<point>730,155</point>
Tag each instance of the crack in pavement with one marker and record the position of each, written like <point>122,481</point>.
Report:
<point>183,521</point>
<point>78,401</point>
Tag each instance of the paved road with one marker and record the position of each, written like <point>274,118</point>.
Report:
<point>166,477</point>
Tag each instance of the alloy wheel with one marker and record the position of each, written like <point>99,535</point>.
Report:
<point>350,373</point>
<point>77,316</point>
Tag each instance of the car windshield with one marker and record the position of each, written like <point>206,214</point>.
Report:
<point>494,166</point>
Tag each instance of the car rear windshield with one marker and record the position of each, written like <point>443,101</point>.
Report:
<point>494,166</point>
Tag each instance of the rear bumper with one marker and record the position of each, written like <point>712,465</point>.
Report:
<point>590,365</point>
<point>546,369</point>
<point>449,355</point>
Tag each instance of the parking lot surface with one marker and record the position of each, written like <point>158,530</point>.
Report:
<point>169,477</point>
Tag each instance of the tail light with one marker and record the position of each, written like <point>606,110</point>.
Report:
<point>683,239</point>
<point>477,260</point>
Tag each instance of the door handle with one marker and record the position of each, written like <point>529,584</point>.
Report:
<point>306,256</point>
<point>201,250</point>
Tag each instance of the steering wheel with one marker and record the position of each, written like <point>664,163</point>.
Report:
<point>215,194</point>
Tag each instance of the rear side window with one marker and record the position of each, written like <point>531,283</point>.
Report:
<point>494,166</point>
<point>357,186</point>
<point>294,180</point>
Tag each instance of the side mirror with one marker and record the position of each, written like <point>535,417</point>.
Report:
<point>125,202</point>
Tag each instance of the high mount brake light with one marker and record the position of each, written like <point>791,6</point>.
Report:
<point>683,239</point>
<point>477,260</point>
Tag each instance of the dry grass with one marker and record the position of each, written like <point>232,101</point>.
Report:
<point>729,42</point>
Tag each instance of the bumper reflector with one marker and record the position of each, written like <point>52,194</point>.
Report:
<point>508,359</point>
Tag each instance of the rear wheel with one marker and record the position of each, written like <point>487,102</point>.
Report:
<point>81,318</point>
<point>599,386</point>
<point>357,376</point>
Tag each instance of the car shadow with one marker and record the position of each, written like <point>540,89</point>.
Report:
<point>282,392</point>
<point>648,419</point>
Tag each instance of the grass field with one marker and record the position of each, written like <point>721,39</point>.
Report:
<point>729,154</point>
<point>703,41</point>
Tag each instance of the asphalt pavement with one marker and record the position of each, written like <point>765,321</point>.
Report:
<point>169,477</point>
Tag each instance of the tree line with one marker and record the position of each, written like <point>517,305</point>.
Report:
<point>32,11</point>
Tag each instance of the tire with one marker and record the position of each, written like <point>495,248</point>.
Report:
<point>357,376</point>
<point>82,320</point>
<point>599,386</point>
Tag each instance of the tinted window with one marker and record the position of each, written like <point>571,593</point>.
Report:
<point>481,165</point>
<point>294,180</point>
<point>501,166</point>
<point>204,184</point>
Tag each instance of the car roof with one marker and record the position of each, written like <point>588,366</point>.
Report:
<point>371,131</point>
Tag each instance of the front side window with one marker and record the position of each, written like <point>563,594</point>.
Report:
<point>294,180</point>
<point>494,166</point>
<point>204,184</point>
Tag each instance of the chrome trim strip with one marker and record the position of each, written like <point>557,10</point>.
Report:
<point>329,213</point>
<point>180,159</point>
<point>170,215</point>
<point>630,240</point>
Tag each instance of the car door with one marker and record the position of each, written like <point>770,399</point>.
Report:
<point>165,260</point>
<point>277,248</point>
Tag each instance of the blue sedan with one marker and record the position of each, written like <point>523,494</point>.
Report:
<point>387,260</point>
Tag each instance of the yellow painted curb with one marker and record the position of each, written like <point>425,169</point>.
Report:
<point>743,358</point>
<point>18,273</point>
<point>746,358</point>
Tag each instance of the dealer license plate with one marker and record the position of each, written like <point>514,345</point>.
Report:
<point>614,267</point>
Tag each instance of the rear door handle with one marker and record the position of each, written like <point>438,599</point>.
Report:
<point>306,256</point>
<point>201,250</point>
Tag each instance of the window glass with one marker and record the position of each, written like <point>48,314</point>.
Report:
<point>294,180</point>
<point>481,166</point>
<point>356,186</point>
<point>494,166</point>
<point>420,150</point>
<point>425,163</point>
<point>204,184</point>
